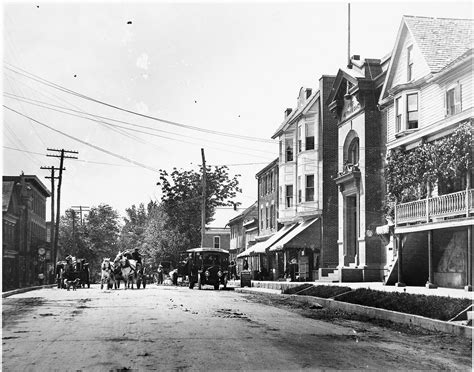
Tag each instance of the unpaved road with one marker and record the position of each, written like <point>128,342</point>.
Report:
<point>175,329</point>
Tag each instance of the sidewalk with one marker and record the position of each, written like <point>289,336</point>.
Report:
<point>277,287</point>
<point>26,289</point>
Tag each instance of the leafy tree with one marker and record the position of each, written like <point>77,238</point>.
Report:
<point>102,231</point>
<point>133,232</point>
<point>72,240</point>
<point>162,242</point>
<point>181,199</point>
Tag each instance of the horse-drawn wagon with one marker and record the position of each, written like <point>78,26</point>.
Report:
<point>72,269</point>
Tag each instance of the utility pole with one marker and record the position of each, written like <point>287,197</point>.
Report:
<point>52,177</point>
<point>80,208</point>
<point>73,213</point>
<point>203,212</point>
<point>58,214</point>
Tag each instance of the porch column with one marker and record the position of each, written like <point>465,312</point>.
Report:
<point>468,287</point>
<point>430,284</point>
<point>398,245</point>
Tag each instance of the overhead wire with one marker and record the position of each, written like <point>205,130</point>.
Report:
<point>85,142</point>
<point>181,125</point>
<point>71,112</point>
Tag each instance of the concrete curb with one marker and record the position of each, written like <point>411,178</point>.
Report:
<point>26,289</point>
<point>372,312</point>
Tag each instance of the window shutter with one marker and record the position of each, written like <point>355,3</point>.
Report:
<point>457,98</point>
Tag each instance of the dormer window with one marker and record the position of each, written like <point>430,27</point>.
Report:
<point>412,111</point>
<point>410,63</point>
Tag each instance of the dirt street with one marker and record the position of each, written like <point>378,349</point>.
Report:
<point>173,328</point>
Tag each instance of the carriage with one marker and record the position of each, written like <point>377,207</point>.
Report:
<point>72,268</point>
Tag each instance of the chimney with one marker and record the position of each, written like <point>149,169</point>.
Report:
<point>356,57</point>
<point>308,92</point>
<point>288,112</point>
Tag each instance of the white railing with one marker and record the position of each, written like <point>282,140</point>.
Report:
<point>451,205</point>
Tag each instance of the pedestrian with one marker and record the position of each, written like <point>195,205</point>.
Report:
<point>160,274</point>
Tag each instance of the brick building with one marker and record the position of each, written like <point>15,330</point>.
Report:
<point>361,146</point>
<point>24,246</point>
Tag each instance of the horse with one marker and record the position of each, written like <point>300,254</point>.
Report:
<point>107,276</point>
<point>128,269</point>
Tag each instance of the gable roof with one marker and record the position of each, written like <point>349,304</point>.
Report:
<point>441,41</point>
<point>295,113</point>
<point>244,214</point>
<point>7,190</point>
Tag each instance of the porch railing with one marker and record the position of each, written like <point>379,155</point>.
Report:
<point>458,204</point>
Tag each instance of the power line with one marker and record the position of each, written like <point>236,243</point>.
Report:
<point>85,142</point>
<point>45,105</point>
<point>69,91</point>
<point>80,160</point>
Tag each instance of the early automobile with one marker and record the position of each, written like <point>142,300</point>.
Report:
<point>207,266</point>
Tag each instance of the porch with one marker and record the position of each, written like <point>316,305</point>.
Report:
<point>436,209</point>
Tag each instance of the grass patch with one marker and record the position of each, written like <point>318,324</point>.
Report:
<point>323,291</point>
<point>434,307</point>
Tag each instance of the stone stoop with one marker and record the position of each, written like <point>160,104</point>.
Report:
<point>328,276</point>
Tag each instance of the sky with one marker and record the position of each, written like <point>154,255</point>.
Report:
<point>220,74</point>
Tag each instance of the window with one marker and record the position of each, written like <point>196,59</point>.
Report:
<point>267,218</point>
<point>261,218</point>
<point>289,196</point>
<point>410,63</point>
<point>289,149</point>
<point>217,242</point>
<point>453,100</point>
<point>272,215</point>
<point>300,136</point>
<point>309,196</point>
<point>309,141</point>
<point>398,114</point>
<point>299,189</point>
<point>353,152</point>
<point>271,182</point>
<point>281,150</point>
<point>412,111</point>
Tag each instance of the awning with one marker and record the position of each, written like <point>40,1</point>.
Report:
<point>296,237</point>
<point>247,252</point>
<point>261,247</point>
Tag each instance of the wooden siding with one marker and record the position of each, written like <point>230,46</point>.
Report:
<point>420,68</point>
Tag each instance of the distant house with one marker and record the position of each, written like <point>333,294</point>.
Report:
<point>238,236</point>
<point>217,233</point>
<point>24,244</point>
<point>427,98</point>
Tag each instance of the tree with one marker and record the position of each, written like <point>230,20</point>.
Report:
<point>72,240</point>
<point>181,199</point>
<point>133,232</point>
<point>102,231</point>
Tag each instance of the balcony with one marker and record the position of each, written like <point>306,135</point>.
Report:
<point>446,207</point>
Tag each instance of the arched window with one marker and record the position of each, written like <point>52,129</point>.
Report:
<point>353,152</point>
